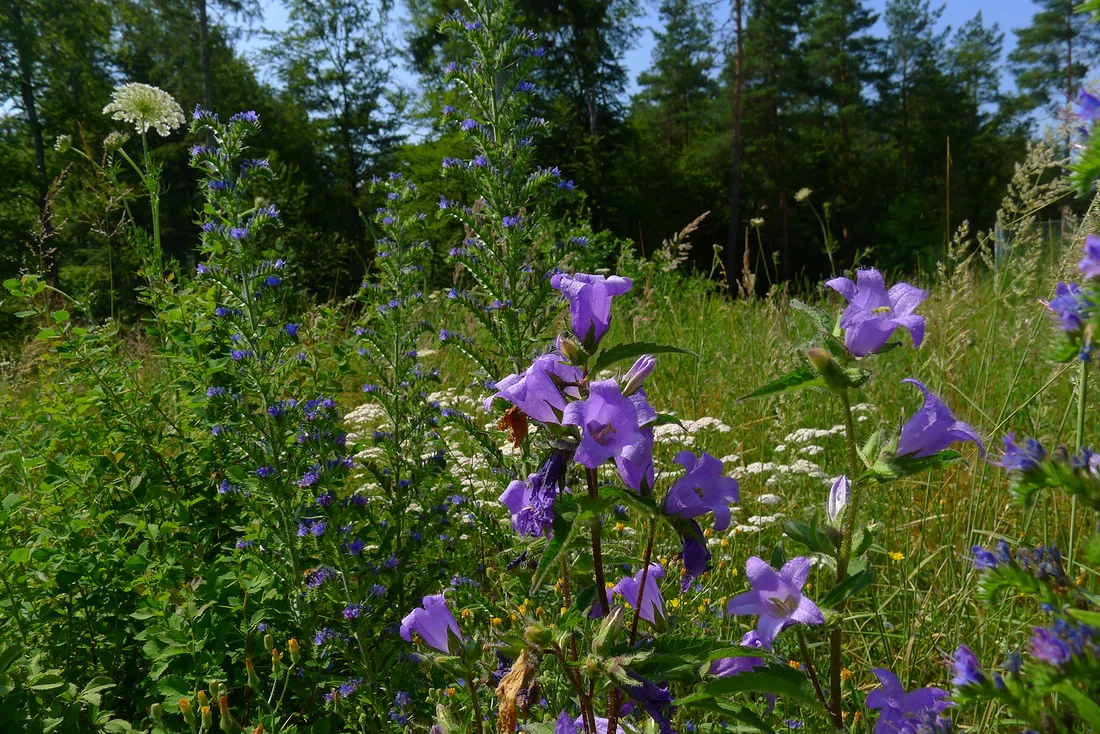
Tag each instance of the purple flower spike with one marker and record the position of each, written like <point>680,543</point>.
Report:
<point>537,392</point>
<point>1068,306</point>
<point>589,299</point>
<point>967,670</point>
<point>613,426</point>
<point>901,711</point>
<point>873,313</point>
<point>1090,264</point>
<point>932,428</point>
<point>725,667</point>
<point>431,622</point>
<point>839,495</point>
<point>776,597</point>
<point>702,489</point>
<point>652,603</point>
<point>1021,458</point>
<point>531,503</point>
<point>1048,647</point>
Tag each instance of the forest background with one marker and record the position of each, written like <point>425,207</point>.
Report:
<point>816,133</point>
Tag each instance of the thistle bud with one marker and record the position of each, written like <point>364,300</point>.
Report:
<point>188,714</point>
<point>253,679</point>
<point>207,717</point>
<point>571,350</point>
<point>276,661</point>
<point>295,651</point>
<point>269,643</point>
<point>637,374</point>
<point>203,698</point>
<point>157,712</point>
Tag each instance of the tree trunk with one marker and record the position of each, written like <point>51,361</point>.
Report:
<point>735,163</point>
<point>23,38</point>
<point>204,57</point>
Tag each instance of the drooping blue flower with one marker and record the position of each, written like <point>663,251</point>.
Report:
<point>933,428</point>
<point>873,313</point>
<point>538,392</point>
<point>839,495</point>
<point>431,623</point>
<point>655,699</point>
<point>702,489</point>
<point>901,711</point>
<point>589,299</point>
<point>967,669</point>
<point>630,588</point>
<point>776,597</point>
<point>725,667</point>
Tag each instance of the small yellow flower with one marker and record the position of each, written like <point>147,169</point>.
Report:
<point>701,608</point>
<point>796,665</point>
<point>466,613</point>
<point>809,586</point>
<point>451,692</point>
<point>844,715</point>
<point>858,716</point>
<point>725,543</point>
<point>897,556</point>
<point>674,603</point>
<point>722,564</point>
<point>619,527</point>
<point>564,610</point>
<point>609,585</point>
<point>538,611</point>
<point>496,621</point>
<point>706,600</point>
<point>706,533</point>
<point>845,674</point>
<point>522,609</point>
<point>723,600</point>
<point>734,572</point>
<point>626,605</point>
<point>513,617</point>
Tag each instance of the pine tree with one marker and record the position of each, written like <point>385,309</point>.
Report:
<point>974,59</point>
<point>1053,55</point>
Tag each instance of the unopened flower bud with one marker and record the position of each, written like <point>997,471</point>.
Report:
<point>537,635</point>
<point>207,717</point>
<point>188,714</point>
<point>157,712</point>
<point>609,630</point>
<point>820,359</point>
<point>203,698</point>
<point>269,643</point>
<point>223,709</point>
<point>591,665</point>
<point>295,651</point>
<point>636,375</point>
<point>571,350</point>
<point>215,689</point>
<point>276,661</point>
<point>253,679</point>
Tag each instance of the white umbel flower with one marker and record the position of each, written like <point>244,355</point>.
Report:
<point>145,107</point>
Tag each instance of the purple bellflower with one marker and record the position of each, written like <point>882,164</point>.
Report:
<point>655,699</point>
<point>531,503</point>
<point>1088,109</point>
<point>1069,305</point>
<point>589,299</point>
<point>932,428</point>
<point>614,426</point>
<point>873,313</point>
<point>725,667</point>
<point>538,391</point>
<point>901,711</point>
<point>967,670</point>
<point>702,489</point>
<point>776,597</point>
<point>839,495</point>
<point>652,603</point>
<point>637,374</point>
<point>432,622</point>
<point>1090,264</point>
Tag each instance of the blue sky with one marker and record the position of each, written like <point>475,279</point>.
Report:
<point>1009,14</point>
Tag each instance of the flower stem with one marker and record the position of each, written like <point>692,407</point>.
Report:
<point>1082,397</point>
<point>809,663</point>
<point>836,639</point>
<point>597,554</point>
<point>473,697</point>
<point>616,699</point>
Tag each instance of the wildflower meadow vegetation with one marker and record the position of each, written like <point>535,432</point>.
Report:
<point>549,496</point>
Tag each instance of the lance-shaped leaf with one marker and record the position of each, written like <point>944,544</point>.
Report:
<point>801,377</point>
<point>886,471</point>
<point>632,350</point>
<point>821,320</point>
<point>847,587</point>
<point>775,678</point>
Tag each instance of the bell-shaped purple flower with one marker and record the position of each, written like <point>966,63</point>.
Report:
<point>967,670</point>
<point>695,555</point>
<point>655,699</point>
<point>839,495</point>
<point>1069,306</point>
<point>432,623</point>
<point>932,428</point>
<point>776,597</point>
<point>702,489</point>
<point>540,390</point>
<point>614,426</point>
<point>589,299</point>
<point>651,601</point>
<point>1018,458</point>
<point>901,711</point>
<point>1090,263</point>
<point>566,725</point>
<point>873,313</point>
<point>531,503</point>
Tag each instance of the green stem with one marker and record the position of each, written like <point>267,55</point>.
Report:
<point>473,697</point>
<point>1082,399</point>
<point>809,663</point>
<point>597,554</point>
<point>153,186</point>
<point>616,699</point>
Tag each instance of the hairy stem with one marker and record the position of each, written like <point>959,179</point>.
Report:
<point>1082,398</point>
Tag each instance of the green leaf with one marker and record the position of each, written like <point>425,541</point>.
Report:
<point>778,679</point>
<point>1086,616</point>
<point>821,320</point>
<point>564,531</point>
<point>731,711</point>
<point>886,471</point>
<point>854,583</point>
<point>1087,709</point>
<point>665,419</point>
<point>804,376</point>
<point>632,350</point>
<point>7,657</point>
<point>59,316</point>
<point>778,556</point>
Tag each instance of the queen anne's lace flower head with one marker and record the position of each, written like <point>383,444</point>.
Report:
<point>146,107</point>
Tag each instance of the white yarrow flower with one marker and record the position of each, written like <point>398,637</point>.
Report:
<point>145,107</point>
<point>803,194</point>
